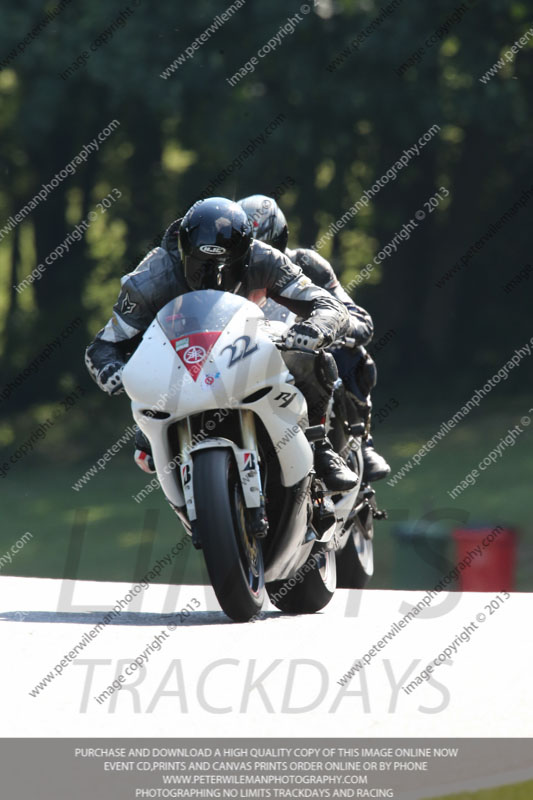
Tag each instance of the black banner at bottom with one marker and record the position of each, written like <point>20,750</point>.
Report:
<point>127,769</point>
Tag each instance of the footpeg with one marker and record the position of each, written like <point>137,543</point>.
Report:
<point>315,433</point>
<point>323,514</point>
<point>369,495</point>
<point>357,429</point>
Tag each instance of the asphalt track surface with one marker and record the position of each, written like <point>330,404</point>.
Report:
<point>275,677</point>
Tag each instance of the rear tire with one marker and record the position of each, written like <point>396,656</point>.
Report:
<point>233,558</point>
<point>355,562</point>
<point>313,592</point>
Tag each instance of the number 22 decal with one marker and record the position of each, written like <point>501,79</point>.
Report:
<point>238,354</point>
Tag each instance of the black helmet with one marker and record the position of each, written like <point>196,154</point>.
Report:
<point>268,220</point>
<point>215,237</point>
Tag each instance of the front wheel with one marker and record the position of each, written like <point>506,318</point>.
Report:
<point>233,556</point>
<point>310,589</point>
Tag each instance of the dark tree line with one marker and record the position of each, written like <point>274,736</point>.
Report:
<point>342,129</point>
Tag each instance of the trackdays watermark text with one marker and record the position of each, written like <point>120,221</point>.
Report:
<point>276,686</point>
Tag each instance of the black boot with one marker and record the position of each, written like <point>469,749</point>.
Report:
<point>333,469</point>
<point>375,466</point>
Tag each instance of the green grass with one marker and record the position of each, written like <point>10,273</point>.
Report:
<point>102,522</point>
<point>516,791</point>
<point>38,497</point>
<point>501,495</point>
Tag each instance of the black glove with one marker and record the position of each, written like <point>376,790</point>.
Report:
<point>109,379</point>
<point>304,336</point>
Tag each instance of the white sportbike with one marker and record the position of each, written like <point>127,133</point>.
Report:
<point>232,449</point>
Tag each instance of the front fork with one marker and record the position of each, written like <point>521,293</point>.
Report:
<point>250,463</point>
<point>257,516</point>
<point>248,434</point>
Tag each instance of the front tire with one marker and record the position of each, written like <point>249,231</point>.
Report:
<point>233,557</point>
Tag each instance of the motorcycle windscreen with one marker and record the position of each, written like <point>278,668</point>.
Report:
<point>194,321</point>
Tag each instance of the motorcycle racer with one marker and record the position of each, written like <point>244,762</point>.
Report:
<point>213,247</point>
<point>356,367</point>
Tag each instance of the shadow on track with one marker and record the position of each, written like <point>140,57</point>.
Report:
<point>140,619</point>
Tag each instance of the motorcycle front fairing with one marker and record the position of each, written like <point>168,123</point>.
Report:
<point>211,350</point>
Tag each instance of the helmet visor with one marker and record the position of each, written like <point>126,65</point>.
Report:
<point>212,273</point>
<point>201,273</point>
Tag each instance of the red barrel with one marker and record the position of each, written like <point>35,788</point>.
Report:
<point>487,556</point>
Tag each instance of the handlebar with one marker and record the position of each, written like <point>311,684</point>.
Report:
<point>346,341</point>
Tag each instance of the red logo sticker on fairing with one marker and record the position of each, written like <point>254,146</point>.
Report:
<point>194,349</point>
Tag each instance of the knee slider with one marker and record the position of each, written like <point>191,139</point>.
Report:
<point>366,374</point>
<point>300,364</point>
<point>326,370</point>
